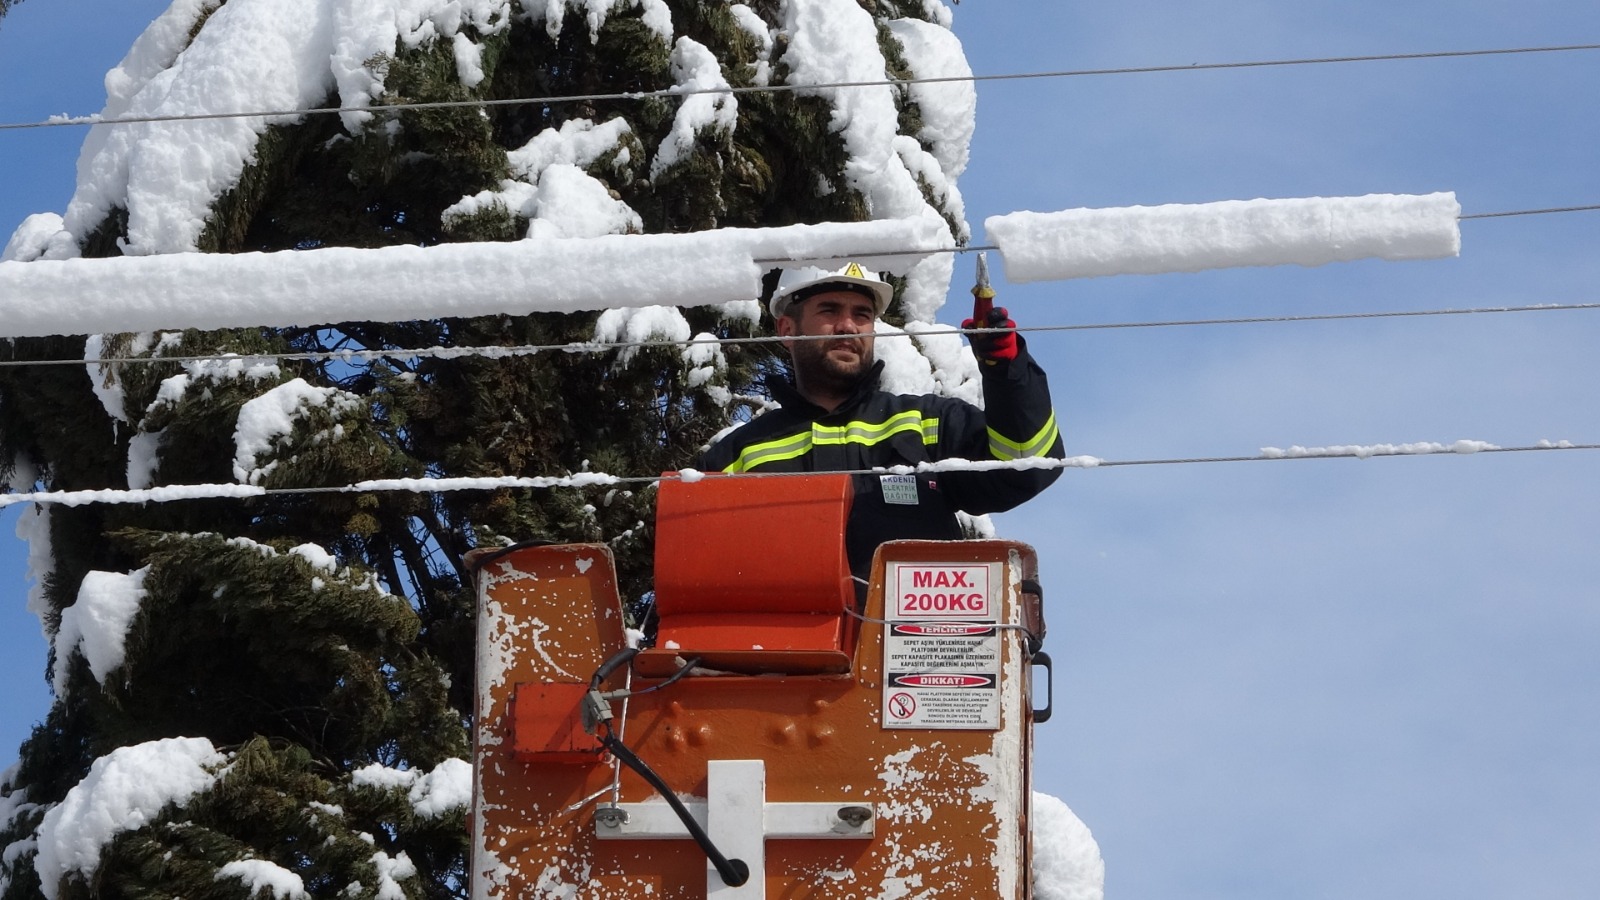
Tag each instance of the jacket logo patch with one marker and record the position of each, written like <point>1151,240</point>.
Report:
<point>899,489</point>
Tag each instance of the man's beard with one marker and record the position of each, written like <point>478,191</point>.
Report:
<point>816,370</point>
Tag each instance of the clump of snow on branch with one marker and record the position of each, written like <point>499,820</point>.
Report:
<point>630,326</point>
<point>103,376</point>
<point>938,12</point>
<point>924,289</point>
<point>905,371</point>
<point>571,203</point>
<point>954,368</point>
<point>225,367</point>
<point>655,14</point>
<point>14,805</point>
<point>578,142</point>
<point>704,359</point>
<point>40,236</point>
<point>948,108</point>
<point>318,558</point>
<point>144,447</point>
<point>126,789</point>
<point>1066,859</point>
<point>33,529</point>
<point>551,189</point>
<point>448,787</point>
<point>1148,240</point>
<point>265,421</point>
<point>264,875</point>
<point>391,871</point>
<point>694,68</point>
<point>756,27</point>
<point>96,625</point>
<point>367,28</point>
<point>251,55</point>
<point>833,41</point>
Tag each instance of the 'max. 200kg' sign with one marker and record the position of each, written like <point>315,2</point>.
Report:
<point>941,647</point>
<point>928,590</point>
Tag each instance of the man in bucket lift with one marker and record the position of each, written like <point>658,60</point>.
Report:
<point>835,417</point>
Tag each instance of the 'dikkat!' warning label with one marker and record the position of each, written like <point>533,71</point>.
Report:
<point>941,647</point>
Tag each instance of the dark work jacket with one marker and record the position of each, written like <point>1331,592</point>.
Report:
<point>875,428</point>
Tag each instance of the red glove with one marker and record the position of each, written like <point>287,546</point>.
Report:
<point>994,346</point>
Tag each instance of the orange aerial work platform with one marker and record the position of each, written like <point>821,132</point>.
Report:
<point>776,741</point>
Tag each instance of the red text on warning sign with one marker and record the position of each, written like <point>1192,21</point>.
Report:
<point>923,591</point>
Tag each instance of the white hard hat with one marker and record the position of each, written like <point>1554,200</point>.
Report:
<point>849,277</point>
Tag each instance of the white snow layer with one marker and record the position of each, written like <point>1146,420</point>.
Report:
<point>654,13</point>
<point>96,625</point>
<point>264,875</point>
<point>448,787</point>
<point>251,55</point>
<point>270,418</point>
<point>1066,859</point>
<point>1149,240</point>
<point>396,284</point>
<point>287,55</point>
<point>33,529</point>
<point>949,108</point>
<point>1365,451</point>
<point>124,790</point>
<point>551,189</point>
<point>713,267</point>
<point>835,41</point>
<point>695,68</point>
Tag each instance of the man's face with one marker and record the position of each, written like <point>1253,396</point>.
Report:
<point>830,365</point>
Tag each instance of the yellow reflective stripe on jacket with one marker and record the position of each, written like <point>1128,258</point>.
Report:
<point>771,452</point>
<point>873,433</point>
<point>857,432</point>
<point>1002,447</point>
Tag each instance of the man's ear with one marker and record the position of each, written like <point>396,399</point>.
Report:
<point>787,327</point>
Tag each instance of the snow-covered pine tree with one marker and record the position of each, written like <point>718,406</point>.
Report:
<point>270,694</point>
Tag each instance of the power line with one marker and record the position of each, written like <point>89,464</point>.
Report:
<point>602,347</point>
<point>174,493</point>
<point>61,121</point>
<point>1530,212</point>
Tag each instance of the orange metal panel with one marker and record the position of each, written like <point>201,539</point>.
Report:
<point>547,724</point>
<point>739,545</point>
<point>951,804</point>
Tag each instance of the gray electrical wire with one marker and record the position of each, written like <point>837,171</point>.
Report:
<point>175,493</point>
<point>61,121</point>
<point>597,347</point>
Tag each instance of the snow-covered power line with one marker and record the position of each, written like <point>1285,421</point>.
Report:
<point>179,290</point>
<point>1140,240</point>
<point>178,492</point>
<point>499,352</point>
<point>681,92</point>
<point>403,283</point>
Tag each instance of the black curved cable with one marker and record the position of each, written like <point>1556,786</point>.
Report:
<point>734,872</point>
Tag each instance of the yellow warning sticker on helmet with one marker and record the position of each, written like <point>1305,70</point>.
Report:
<point>853,271</point>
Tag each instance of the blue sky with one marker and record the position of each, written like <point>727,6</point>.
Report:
<point>1295,679</point>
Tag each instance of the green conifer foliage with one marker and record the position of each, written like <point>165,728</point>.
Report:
<point>323,641</point>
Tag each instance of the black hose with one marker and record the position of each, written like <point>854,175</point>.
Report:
<point>734,872</point>
<point>625,655</point>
